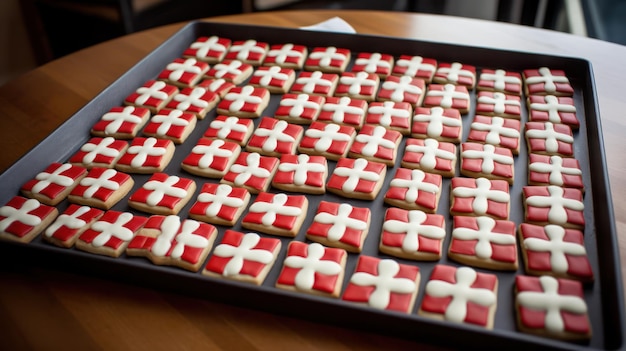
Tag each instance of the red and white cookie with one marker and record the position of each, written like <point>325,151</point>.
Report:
<point>219,86</point>
<point>315,83</point>
<point>499,104</point>
<point>340,225</point>
<point>22,219</point>
<point>243,257</point>
<point>274,137</point>
<point>448,96</point>
<point>391,115</point>
<point>101,188</point>
<point>286,55</point>
<point>402,89</point>
<point>376,143</point>
<point>486,160</point>
<point>499,80</point>
<point>121,122</point>
<point>484,242</point>
<point>163,194</point>
<point>230,128</point>
<point>344,111</point>
<point>249,51</point>
<point>146,155</point>
<point>252,171</point>
<point>554,170</point>
<point>552,307</point>
<point>244,102</point>
<point>276,79</point>
<point>66,228</point>
<point>554,205</point>
<point>556,251</point>
<point>358,85</point>
<point>373,62</point>
<point>233,71</point>
<point>174,125</point>
<point>153,95</point>
<point>461,295</point>
<point>327,59</point>
<point>383,284</point>
<point>211,49</point>
<point>219,204</point>
<point>211,158</point>
<point>442,124</point>
<point>184,72</point>
<point>299,108</point>
<point>455,73</point>
<point>415,66</point>
<point>412,234</point>
<point>547,138</point>
<point>276,214</point>
<point>553,109</point>
<point>53,184</point>
<point>413,189</point>
<point>197,100</point>
<point>496,131</point>
<point>168,240</point>
<point>99,152</point>
<point>301,173</point>
<point>357,178</point>
<point>431,156</point>
<point>110,235</point>
<point>327,139</point>
<point>479,197</point>
<point>546,81</point>
<point>313,269</point>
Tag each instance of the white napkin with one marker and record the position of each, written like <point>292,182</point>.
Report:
<point>335,24</point>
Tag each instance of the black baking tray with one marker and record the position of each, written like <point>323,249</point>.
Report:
<point>604,297</point>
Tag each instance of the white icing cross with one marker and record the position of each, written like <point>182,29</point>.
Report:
<point>431,152</point>
<point>489,157</point>
<point>252,168</point>
<point>71,221</point>
<point>178,69</point>
<point>102,148</point>
<point>193,99</point>
<point>414,65</point>
<point>247,48</point>
<point>484,236</point>
<point>455,72</point>
<point>153,91</point>
<point>141,152</point>
<point>325,57</point>
<point>244,252</point>
<point>118,118</point>
<point>116,229</point>
<point>551,136</point>
<point>372,63</point>
<point>558,204</point>
<point>173,118</point>
<point>240,99</point>
<point>225,127</point>
<point>555,168</point>
<point>499,102</point>
<point>553,107</point>
<point>219,199</point>
<point>274,136</point>
<point>276,207</point>
<point>495,130</point>
<point>223,69</point>
<point>448,94</point>
<point>311,265</point>
<point>500,79</point>
<point>315,79</point>
<point>552,303</point>
<point>188,238</point>
<point>482,194</point>
<point>160,189</point>
<point>301,168</point>
<point>20,215</point>
<point>414,185</point>
<point>385,283</point>
<point>375,141</point>
<point>404,85</point>
<point>436,121</point>
<point>556,246</point>
<point>356,83</point>
<point>461,293</point>
<point>413,229</point>
<point>267,75</point>
<point>340,222</point>
<point>341,109</point>
<point>299,104</point>
<point>355,174</point>
<point>545,76</point>
<point>286,51</point>
<point>103,181</point>
<point>169,229</point>
<point>45,178</point>
<point>326,137</point>
<point>204,47</point>
<point>387,111</point>
<point>209,152</point>
<point>216,84</point>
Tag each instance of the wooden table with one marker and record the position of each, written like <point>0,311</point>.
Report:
<point>42,309</point>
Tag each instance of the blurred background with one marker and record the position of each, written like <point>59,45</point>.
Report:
<point>34,32</point>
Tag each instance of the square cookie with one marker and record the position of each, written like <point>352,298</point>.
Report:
<point>110,235</point>
<point>274,137</point>
<point>99,152</point>
<point>376,143</point>
<point>252,171</point>
<point>230,128</point>
<point>555,109</point>
<point>66,228</point>
<point>486,160</point>
<point>391,115</point>
<point>547,81</point>
<point>184,72</point>
<point>496,131</point>
<point>507,82</point>
<point>286,55</point>
<point>327,139</point>
<point>552,307</point>
<point>243,257</point>
<point>554,170</point>
<point>402,89</point>
<point>484,242</point>
<point>315,83</point>
<point>53,184</point>
<point>357,178</point>
<point>219,86</point>
<point>121,122</point>
<point>163,194</point>
<point>340,225</point>
<point>174,125</point>
<point>313,269</point>
<point>197,100</point>
<point>455,73</point>
<point>556,251</point>
<point>153,95</point>
<point>430,155</point>
<point>448,96</point>
<point>413,189</point>
<point>547,138</point>
<point>211,49</point>
<point>146,155</point>
<point>301,173</point>
<point>248,51</point>
<point>479,197</point>
<point>22,219</point>
<point>443,124</point>
<point>415,66</point>
<point>552,204</point>
<point>499,104</point>
<point>276,79</point>
<point>412,234</point>
<point>219,204</point>
<point>276,214</point>
<point>211,158</point>
<point>373,62</point>
<point>344,111</point>
<point>460,295</point>
<point>101,188</point>
<point>244,102</point>
<point>299,108</point>
<point>383,284</point>
<point>327,59</point>
<point>233,71</point>
<point>358,85</point>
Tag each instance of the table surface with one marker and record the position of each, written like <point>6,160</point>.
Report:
<point>42,309</point>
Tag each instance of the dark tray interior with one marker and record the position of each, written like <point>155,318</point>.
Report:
<point>604,297</point>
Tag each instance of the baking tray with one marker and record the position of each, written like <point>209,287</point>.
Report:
<point>604,297</point>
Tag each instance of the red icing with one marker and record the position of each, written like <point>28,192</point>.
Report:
<point>415,157</point>
<point>218,86</point>
<point>192,102</point>
<point>309,112</point>
<point>506,253</point>
<point>504,140</point>
<point>313,179</point>
<point>286,142</point>
<point>332,111</point>
<point>53,189</point>
<point>536,214</point>
<point>64,232</point>
<point>216,51</point>
<point>336,62</point>
<point>169,129</point>
<point>564,88</point>
<point>219,162</point>
<point>569,180</point>
<point>134,224</point>
<point>126,127</point>
<point>425,244</point>
<point>229,70</point>
<point>252,50</point>
<point>487,105</point>
<point>449,130</point>
<point>564,115</point>
<point>282,221</point>
<point>167,200</point>
<point>563,133</point>
<point>259,75</point>
<point>337,147</point>
<point>465,205</point>
<point>383,63</point>
<point>295,56</point>
<point>411,92</point>
<point>152,101</point>
<point>460,102</point>
<point>484,82</point>
<point>20,229</point>
<point>394,120</point>
<point>367,88</point>
<point>426,199</point>
<point>217,264</point>
<point>351,236</point>
<point>259,183</point>
<point>225,212</point>
<point>467,79</point>
<point>315,83</point>
<point>151,160</point>
<point>426,69</point>
<point>237,92</point>
<point>188,75</point>
<point>87,158</point>
<point>500,169</point>
<point>336,181</point>
<point>102,193</point>
<point>234,135</point>
<point>383,152</point>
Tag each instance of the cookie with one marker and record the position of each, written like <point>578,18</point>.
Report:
<point>547,81</point>
<point>174,125</point>
<point>340,225</point>
<point>484,242</point>
<point>344,111</point>
<point>448,96</point>
<point>556,251</point>
<point>170,241</point>
<point>313,269</point>
<point>22,219</point>
<point>99,152</point>
<point>552,307</point>
<point>358,85</point>
<point>101,188</point>
<point>555,109</point>
<point>230,128</point>
<point>299,108</point>
<point>442,124</point>
<point>486,160</point>
<point>197,100</point>
<point>110,235</point>
<point>301,173</point>
<point>315,83</point>
<point>391,115</point>
<point>376,143</point>
<point>357,178</point>
<point>383,284</point>
<point>275,79</point>
<point>547,138</point>
<point>499,80</point>
<point>274,137</point>
<point>498,104</point>
<point>183,72</point>
<point>413,189</point>
<point>244,102</point>
<point>219,204</point>
<point>496,131</point>
<point>153,95</point>
<point>243,257</point>
<point>211,49</point>
<point>219,86</point>
<point>211,158</point>
<point>479,197</point>
<point>53,184</point>
<point>460,295</point>
<point>286,55</point>
<point>146,155</point>
<point>554,170</point>
<point>163,194</point>
<point>276,214</point>
<point>373,62</point>
<point>233,71</point>
<point>552,204</point>
<point>455,73</point>
<point>248,51</point>
<point>415,66</point>
<point>66,228</point>
<point>327,59</point>
<point>412,234</point>
<point>402,89</point>
<point>121,122</point>
<point>252,171</point>
<point>430,155</point>
<point>327,139</point>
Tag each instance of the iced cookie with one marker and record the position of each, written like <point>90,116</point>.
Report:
<point>299,108</point>
<point>276,79</point>
<point>552,204</point>
<point>402,89</point>
<point>430,155</point>
<point>373,62</point>
<point>53,184</point>
<point>455,73</point>
<point>66,228</point>
<point>101,188</point>
<point>498,104</point>
<point>327,59</point>
<point>344,111</point>
<point>479,197</point>
<point>327,139</point>
<point>233,71</point>
<point>415,66</point>
<point>547,138</point>
<point>340,225</point>
<point>197,100</point>
<point>211,158</point>
<point>554,170</point>
<point>496,131</point>
<point>99,152</point>
<point>507,82</point>
<point>357,178</point>
<point>546,81</point>
<point>442,124</point>
<point>121,122</point>
<point>249,51</point>
<point>153,95</point>
<point>110,235</point>
<point>391,115</point>
<point>146,155</point>
<point>376,143</point>
<point>22,219</point>
<point>274,137</point>
<point>413,189</point>
<point>174,125</point>
<point>301,173</point>
<point>219,86</point>
<point>276,214</point>
<point>448,96</point>
<point>211,49</point>
<point>286,55</point>
<point>358,85</point>
<point>252,171</point>
<point>163,194</point>
<point>555,109</point>
<point>486,160</point>
<point>244,102</point>
<point>219,204</point>
<point>184,72</point>
<point>316,83</point>
<point>230,128</point>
